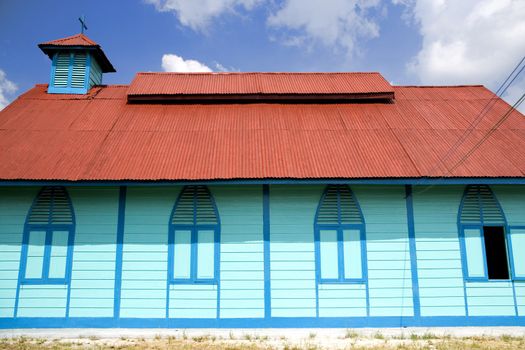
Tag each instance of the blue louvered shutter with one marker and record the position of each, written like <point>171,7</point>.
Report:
<point>52,206</point>
<point>61,70</point>
<point>78,74</point>
<point>195,230</point>
<point>480,206</point>
<point>195,206</point>
<point>328,211</point>
<point>338,206</point>
<point>339,228</point>
<point>48,235</point>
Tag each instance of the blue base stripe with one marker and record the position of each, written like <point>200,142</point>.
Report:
<point>298,322</point>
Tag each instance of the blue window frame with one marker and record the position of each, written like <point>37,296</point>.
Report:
<point>193,254</point>
<point>47,246</point>
<point>480,214</point>
<point>70,72</point>
<point>340,241</point>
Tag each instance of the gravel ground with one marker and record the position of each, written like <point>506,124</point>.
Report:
<point>303,338</point>
<point>290,333</point>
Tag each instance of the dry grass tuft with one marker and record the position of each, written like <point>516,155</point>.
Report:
<point>256,341</point>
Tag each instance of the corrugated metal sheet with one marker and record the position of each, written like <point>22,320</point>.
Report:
<point>258,83</point>
<point>74,40</point>
<point>100,136</point>
<point>51,47</point>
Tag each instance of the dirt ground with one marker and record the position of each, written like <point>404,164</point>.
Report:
<point>282,339</point>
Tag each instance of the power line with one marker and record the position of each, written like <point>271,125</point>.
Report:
<point>472,125</point>
<point>481,141</point>
<point>489,133</point>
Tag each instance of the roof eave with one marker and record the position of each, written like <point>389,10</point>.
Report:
<point>399,181</point>
<point>101,57</point>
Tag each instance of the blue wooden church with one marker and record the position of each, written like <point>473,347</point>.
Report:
<point>257,200</point>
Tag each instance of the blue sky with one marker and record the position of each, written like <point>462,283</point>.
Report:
<point>408,41</point>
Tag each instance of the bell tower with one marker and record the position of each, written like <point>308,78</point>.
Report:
<point>78,64</point>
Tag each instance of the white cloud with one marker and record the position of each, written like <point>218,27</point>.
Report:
<point>197,14</point>
<point>332,23</point>
<point>463,41</point>
<point>468,41</point>
<point>7,88</point>
<point>174,63</point>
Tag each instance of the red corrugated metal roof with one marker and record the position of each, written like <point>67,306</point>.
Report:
<point>100,136</point>
<point>172,84</point>
<point>74,40</point>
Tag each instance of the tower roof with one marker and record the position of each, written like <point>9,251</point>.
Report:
<point>79,41</point>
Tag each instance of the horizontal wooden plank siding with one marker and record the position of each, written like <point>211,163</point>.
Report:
<point>95,74</point>
<point>193,301</point>
<point>438,255</point>
<point>93,274</point>
<point>292,212</point>
<point>512,201</point>
<point>14,206</point>
<point>145,248</point>
<point>241,256</point>
<point>239,292</point>
<point>389,269</point>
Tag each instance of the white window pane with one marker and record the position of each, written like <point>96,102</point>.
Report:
<point>57,262</point>
<point>206,254</point>
<point>518,251</point>
<point>329,256</point>
<point>474,252</point>
<point>352,253</point>
<point>182,254</point>
<point>35,254</point>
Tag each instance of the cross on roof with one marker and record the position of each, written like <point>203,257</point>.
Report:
<point>82,24</point>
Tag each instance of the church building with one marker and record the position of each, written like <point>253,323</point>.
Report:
<point>257,200</point>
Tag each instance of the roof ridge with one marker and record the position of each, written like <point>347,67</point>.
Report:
<point>243,73</point>
<point>71,37</point>
<point>439,86</point>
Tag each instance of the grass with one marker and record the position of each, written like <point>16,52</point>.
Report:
<point>309,341</point>
<point>378,335</point>
<point>427,336</point>
<point>351,334</point>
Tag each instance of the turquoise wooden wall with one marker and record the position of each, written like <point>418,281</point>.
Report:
<point>93,274</point>
<point>389,269</point>
<point>292,257</point>
<point>512,200</point>
<point>387,291</point>
<point>438,253</point>
<point>241,253</point>
<point>95,74</point>
<point>14,205</point>
<point>145,252</point>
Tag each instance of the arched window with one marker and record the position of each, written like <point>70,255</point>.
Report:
<point>339,237</point>
<point>48,238</point>
<point>482,227</point>
<point>193,255</point>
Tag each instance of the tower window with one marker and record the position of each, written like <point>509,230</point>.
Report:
<point>71,73</point>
